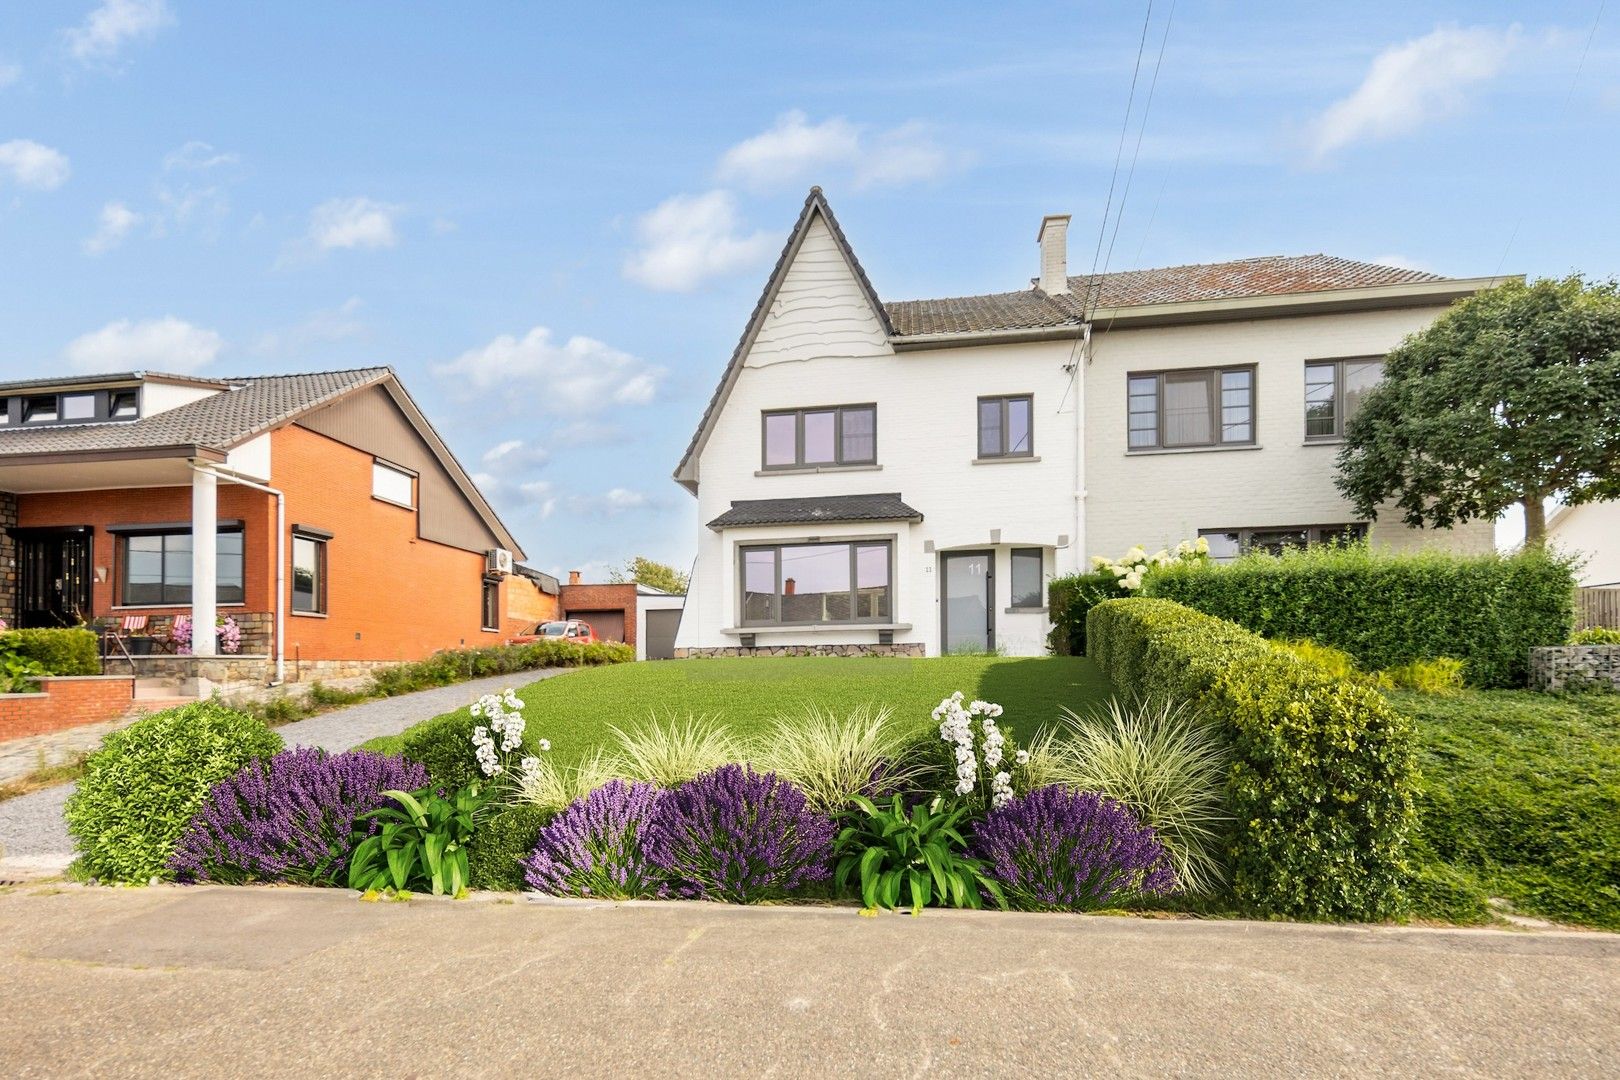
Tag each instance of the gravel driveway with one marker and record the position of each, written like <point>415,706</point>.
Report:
<point>33,835</point>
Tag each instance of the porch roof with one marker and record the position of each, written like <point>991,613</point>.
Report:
<point>887,506</point>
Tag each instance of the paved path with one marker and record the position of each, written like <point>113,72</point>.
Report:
<point>33,836</point>
<point>293,982</point>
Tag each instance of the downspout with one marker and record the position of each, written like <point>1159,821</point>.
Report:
<point>1079,541</point>
<point>231,476</point>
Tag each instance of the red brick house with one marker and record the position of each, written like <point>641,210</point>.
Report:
<point>347,534</point>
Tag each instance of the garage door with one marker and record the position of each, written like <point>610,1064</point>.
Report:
<point>609,625</point>
<point>659,633</point>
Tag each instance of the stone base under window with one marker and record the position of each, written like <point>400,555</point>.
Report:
<point>910,648</point>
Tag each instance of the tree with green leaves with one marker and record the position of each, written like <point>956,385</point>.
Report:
<point>1512,396</point>
<point>654,575</point>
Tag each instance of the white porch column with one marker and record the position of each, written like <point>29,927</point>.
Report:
<point>204,548</point>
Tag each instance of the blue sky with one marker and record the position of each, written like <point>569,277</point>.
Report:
<point>553,223</point>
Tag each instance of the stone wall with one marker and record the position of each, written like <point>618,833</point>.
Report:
<point>910,648</point>
<point>8,557</point>
<point>1561,667</point>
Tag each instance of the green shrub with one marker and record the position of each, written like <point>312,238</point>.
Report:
<point>1068,600</point>
<point>71,651</point>
<point>141,788</point>
<point>500,842</point>
<point>1323,774</point>
<point>1336,662</point>
<point>443,746</point>
<point>1389,610</point>
<point>1442,675</point>
<point>458,665</point>
<point>1596,635</point>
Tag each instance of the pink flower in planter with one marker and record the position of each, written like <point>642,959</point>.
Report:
<point>228,632</point>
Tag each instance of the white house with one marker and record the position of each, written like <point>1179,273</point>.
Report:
<point>906,477</point>
<point>1592,532</point>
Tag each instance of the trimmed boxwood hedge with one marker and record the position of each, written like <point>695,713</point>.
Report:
<point>71,651</point>
<point>510,835</point>
<point>1389,610</point>
<point>1323,776</point>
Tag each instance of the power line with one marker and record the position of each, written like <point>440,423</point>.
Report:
<point>1119,153</point>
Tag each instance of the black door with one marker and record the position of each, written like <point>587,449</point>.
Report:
<point>53,576</point>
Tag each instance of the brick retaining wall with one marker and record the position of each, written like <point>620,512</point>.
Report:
<point>1560,667</point>
<point>65,701</point>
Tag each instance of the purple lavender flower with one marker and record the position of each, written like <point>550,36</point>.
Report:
<point>1060,850</point>
<point>290,818</point>
<point>741,836</point>
<point>596,847</point>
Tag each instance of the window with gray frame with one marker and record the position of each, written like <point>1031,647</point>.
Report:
<point>491,608</point>
<point>1007,426</point>
<point>1027,567</point>
<point>1334,390</point>
<point>1227,544</point>
<point>70,407</point>
<point>811,583</point>
<point>832,435</point>
<point>156,568</point>
<point>1166,410</point>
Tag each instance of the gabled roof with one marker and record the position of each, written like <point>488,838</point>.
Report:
<point>828,509</point>
<point>814,204</point>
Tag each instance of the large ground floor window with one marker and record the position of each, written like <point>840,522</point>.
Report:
<point>157,567</point>
<point>1228,544</point>
<point>806,584</point>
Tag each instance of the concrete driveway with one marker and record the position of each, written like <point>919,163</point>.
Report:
<point>283,982</point>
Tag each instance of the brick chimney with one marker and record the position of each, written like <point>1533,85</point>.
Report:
<point>1054,241</point>
<point>573,577</point>
<point>789,587</point>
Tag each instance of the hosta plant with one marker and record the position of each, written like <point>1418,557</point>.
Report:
<point>911,857</point>
<point>597,848</point>
<point>1061,850</point>
<point>420,842</point>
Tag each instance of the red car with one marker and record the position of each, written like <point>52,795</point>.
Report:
<point>566,630</point>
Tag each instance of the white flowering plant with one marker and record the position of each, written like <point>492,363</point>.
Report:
<point>498,741</point>
<point>987,765</point>
<point>1133,566</point>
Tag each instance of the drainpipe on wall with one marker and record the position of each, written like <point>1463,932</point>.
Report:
<point>1079,541</point>
<point>232,477</point>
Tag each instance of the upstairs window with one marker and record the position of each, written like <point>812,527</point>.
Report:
<point>391,484</point>
<point>1334,390</point>
<point>123,405</point>
<point>1006,426</point>
<point>806,438</point>
<point>1169,410</point>
<point>40,409</point>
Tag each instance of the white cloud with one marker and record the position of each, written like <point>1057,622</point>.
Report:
<point>794,151</point>
<point>32,165</point>
<point>166,344</point>
<point>582,375</point>
<point>341,323</point>
<point>610,503</point>
<point>115,22</point>
<point>114,224</point>
<point>9,74</point>
<point>688,239</point>
<point>197,155</point>
<point>353,223</point>
<point>515,454</point>
<point>1402,261</point>
<point>1413,84</point>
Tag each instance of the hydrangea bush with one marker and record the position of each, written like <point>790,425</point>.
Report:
<point>289,818</point>
<point>226,629</point>
<point>1061,850</point>
<point>984,759</point>
<point>737,835</point>
<point>597,846</point>
<point>1132,567</point>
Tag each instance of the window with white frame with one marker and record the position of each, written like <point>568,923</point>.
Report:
<point>392,484</point>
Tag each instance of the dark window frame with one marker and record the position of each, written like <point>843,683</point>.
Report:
<point>1039,555</point>
<point>1003,400</point>
<point>854,546</point>
<point>1212,377</point>
<point>318,592</point>
<point>489,612</point>
<point>1337,363</point>
<point>799,463</point>
<point>124,534</point>
<point>1314,534</point>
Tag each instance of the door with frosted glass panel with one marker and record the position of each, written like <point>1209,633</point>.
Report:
<point>966,604</point>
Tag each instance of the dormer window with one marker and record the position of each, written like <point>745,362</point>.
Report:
<point>71,407</point>
<point>40,409</point>
<point>123,405</point>
<point>77,407</point>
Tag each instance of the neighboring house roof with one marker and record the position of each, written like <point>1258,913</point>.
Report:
<point>826,508</point>
<point>542,580</point>
<point>1031,313</point>
<point>249,407</point>
<point>110,378</point>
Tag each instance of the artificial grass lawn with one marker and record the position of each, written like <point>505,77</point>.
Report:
<point>1520,800</point>
<point>576,711</point>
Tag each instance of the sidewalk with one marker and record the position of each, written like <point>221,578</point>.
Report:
<point>295,982</point>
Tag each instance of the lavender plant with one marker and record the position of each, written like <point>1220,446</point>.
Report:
<point>1060,850</point>
<point>597,846</point>
<point>289,818</point>
<point>737,835</point>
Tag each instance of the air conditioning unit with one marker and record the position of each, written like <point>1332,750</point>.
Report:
<point>499,562</point>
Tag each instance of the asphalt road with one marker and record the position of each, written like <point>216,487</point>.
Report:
<point>286,982</point>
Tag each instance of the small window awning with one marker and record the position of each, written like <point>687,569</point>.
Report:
<point>828,509</point>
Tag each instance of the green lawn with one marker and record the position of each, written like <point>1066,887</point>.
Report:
<point>576,710</point>
<point>1520,800</point>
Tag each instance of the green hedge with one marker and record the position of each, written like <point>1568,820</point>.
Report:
<point>1324,774</point>
<point>458,665</point>
<point>60,652</point>
<point>492,860</point>
<point>1389,610</point>
<point>1068,600</point>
